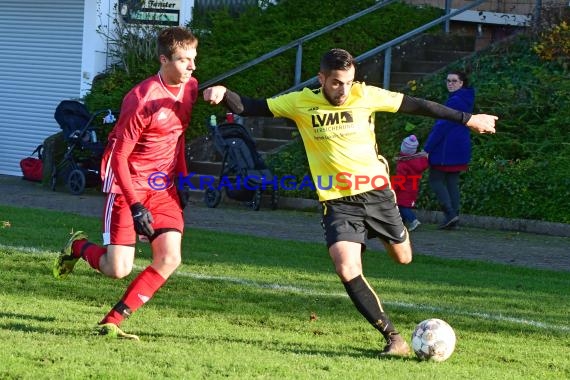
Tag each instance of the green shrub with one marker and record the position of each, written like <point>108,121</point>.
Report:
<point>531,188</point>
<point>292,161</point>
<point>554,44</point>
<point>133,49</point>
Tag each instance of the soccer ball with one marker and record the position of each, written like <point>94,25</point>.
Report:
<point>433,339</point>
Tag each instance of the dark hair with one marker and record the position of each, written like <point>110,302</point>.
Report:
<point>462,77</point>
<point>170,39</point>
<point>336,59</point>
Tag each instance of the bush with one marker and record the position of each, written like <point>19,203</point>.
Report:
<point>529,188</point>
<point>292,161</point>
<point>555,43</point>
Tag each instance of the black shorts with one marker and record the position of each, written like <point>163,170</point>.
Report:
<point>363,216</point>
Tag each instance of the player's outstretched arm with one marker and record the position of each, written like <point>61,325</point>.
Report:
<point>241,105</point>
<point>482,123</point>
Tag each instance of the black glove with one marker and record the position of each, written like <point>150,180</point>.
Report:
<point>183,196</point>
<point>142,219</point>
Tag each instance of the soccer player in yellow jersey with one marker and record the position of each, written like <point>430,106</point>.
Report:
<point>336,122</point>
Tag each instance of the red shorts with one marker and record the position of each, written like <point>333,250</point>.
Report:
<point>118,226</point>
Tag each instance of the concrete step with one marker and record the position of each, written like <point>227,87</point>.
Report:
<point>445,42</point>
<point>267,145</point>
<point>206,167</point>
<point>417,54</point>
<point>270,128</point>
<point>423,66</point>
<point>398,86</point>
<point>281,132</point>
<point>434,54</point>
<point>270,134</point>
<point>404,77</point>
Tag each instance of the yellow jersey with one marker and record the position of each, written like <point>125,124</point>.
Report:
<point>340,140</point>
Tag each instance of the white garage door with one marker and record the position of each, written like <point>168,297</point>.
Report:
<point>40,65</point>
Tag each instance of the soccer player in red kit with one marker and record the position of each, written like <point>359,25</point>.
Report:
<point>144,154</point>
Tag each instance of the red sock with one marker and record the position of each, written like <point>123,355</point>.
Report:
<point>138,293</point>
<point>90,252</point>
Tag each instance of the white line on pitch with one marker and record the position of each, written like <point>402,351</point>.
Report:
<point>305,291</point>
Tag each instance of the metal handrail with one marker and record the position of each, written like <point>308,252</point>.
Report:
<point>296,43</point>
<point>388,46</point>
<point>384,47</point>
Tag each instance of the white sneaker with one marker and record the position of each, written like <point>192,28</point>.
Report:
<point>413,225</point>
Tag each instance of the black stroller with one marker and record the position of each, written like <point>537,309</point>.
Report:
<point>81,162</point>
<point>244,175</point>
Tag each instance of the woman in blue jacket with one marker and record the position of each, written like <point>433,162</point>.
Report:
<point>449,148</point>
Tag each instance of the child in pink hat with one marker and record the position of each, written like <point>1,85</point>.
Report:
<point>409,169</point>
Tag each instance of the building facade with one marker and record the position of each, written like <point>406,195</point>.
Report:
<point>50,51</point>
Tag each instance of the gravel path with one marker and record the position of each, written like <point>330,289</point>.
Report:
<point>514,248</point>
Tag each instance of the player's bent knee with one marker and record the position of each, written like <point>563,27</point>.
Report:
<point>404,259</point>
<point>119,273</point>
<point>119,270</point>
<point>401,254</point>
<point>118,263</point>
<point>347,273</point>
<point>173,262</point>
<point>168,263</point>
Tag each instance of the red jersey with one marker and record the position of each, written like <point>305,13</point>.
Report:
<point>407,166</point>
<point>148,138</point>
